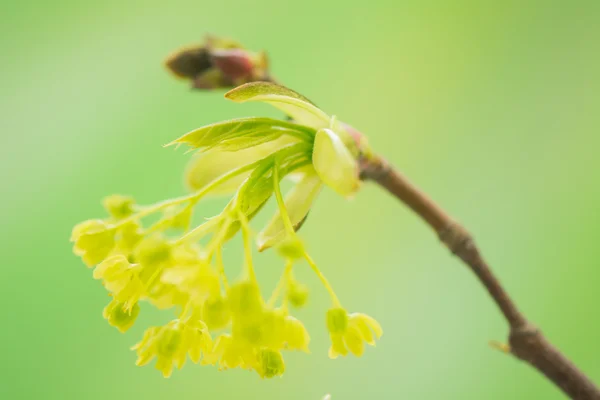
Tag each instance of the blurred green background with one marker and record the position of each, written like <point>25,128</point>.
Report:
<point>492,107</point>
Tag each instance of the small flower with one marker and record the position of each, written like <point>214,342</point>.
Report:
<point>94,241</point>
<point>121,279</point>
<point>199,280</point>
<point>230,353</point>
<point>245,301</point>
<point>117,315</point>
<point>165,296</point>
<point>171,343</point>
<point>297,294</point>
<point>254,324</point>
<point>215,312</point>
<point>218,63</point>
<point>270,363</point>
<point>119,206</point>
<point>128,237</point>
<point>154,250</point>
<point>266,329</point>
<point>348,332</point>
<point>296,335</point>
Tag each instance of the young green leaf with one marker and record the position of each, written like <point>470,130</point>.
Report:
<point>257,130</point>
<point>259,186</point>
<point>247,141</point>
<point>298,203</point>
<point>334,163</point>
<point>293,104</point>
<point>206,167</point>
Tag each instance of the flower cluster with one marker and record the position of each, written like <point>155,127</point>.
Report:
<point>155,254</point>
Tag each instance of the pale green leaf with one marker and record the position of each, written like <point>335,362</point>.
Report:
<point>334,163</point>
<point>293,104</point>
<point>247,141</point>
<point>257,189</point>
<point>242,133</point>
<point>207,166</point>
<point>297,203</point>
<point>259,186</point>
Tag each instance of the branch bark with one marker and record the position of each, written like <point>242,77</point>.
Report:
<point>526,341</point>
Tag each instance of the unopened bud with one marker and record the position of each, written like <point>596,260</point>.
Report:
<point>119,206</point>
<point>297,294</point>
<point>218,63</point>
<point>291,247</point>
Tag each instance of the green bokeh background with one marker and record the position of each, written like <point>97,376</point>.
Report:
<point>492,107</point>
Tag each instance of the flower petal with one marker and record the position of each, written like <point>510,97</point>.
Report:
<point>338,347</point>
<point>354,342</point>
<point>374,325</point>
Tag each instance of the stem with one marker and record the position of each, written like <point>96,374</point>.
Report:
<point>287,223</point>
<point>192,198</point>
<point>221,268</point>
<point>198,231</point>
<point>334,298</point>
<point>217,240</point>
<point>526,342</point>
<point>246,231</point>
<point>185,310</point>
<point>283,281</point>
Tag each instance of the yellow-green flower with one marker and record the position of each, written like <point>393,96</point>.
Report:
<point>199,280</point>
<point>172,343</point>
<point>350,331</point>
<point>120,316</point>
<point>165,296</point>
<point>121,279</point>
<point>215,312</point>
<point>119,206</point>
<point>94,240</point>
<point>229,353</point>
<point>270,363</point>
<point>296,335</point>
<point>154,250</point>
<point>245,300</point>
<point>128,236</point>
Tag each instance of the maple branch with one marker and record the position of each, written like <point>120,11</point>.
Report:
<point>526,341</point>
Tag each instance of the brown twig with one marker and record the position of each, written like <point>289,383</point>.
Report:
<point>526,341</point>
